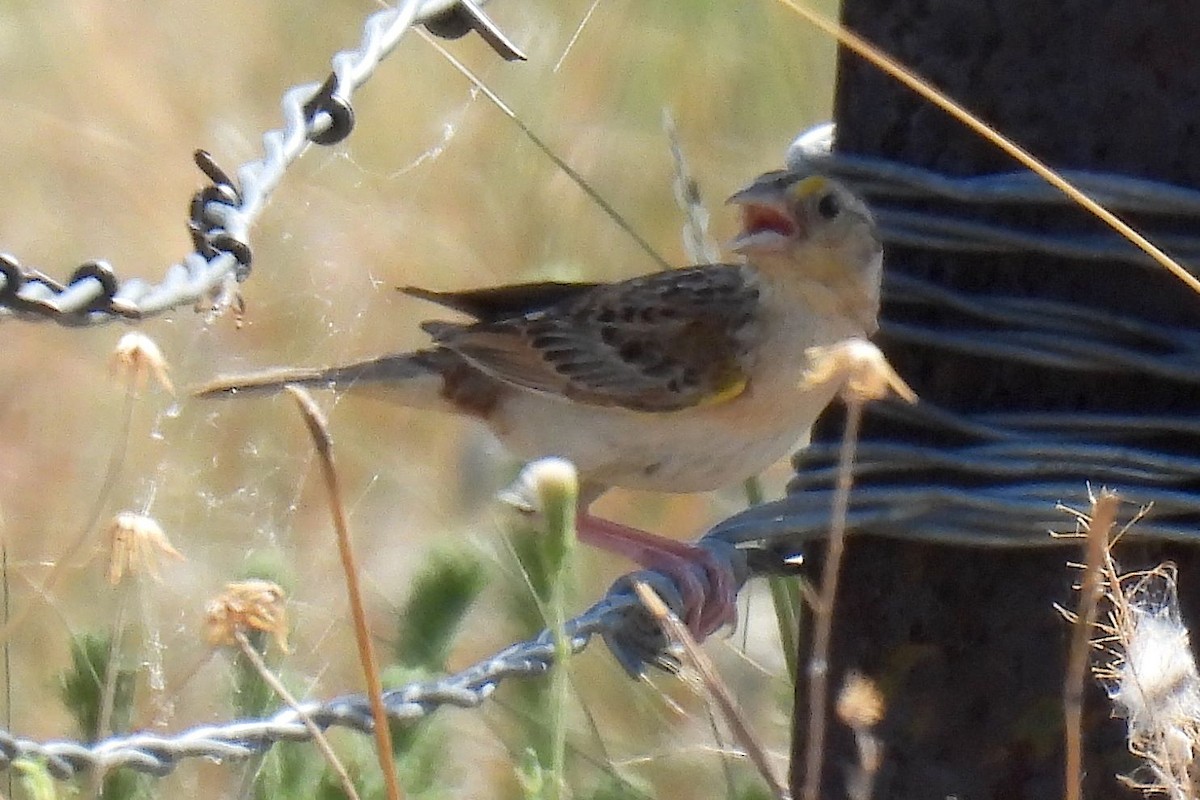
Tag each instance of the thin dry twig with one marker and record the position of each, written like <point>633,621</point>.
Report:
<point>895,69</point>
<point>318,429</point>
<point>676,631</point>
<point>1098,524</point>
<point>116,463</point>
<point>818,662</point>
<point>317,734</point>
<point>865,375</point>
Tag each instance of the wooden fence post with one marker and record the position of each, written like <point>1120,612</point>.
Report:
<point>966,643</point>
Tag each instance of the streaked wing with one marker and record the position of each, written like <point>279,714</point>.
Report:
<point>663,342</point>
<point>500,302</point>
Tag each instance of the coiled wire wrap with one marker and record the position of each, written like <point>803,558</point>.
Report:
<point>1000,478</point>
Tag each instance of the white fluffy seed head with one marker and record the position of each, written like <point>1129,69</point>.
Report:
<point>540,479</point>
<point>1157,685</point>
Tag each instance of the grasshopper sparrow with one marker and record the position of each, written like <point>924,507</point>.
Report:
<point>681,381</point>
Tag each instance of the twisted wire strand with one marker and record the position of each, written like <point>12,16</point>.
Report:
<point>631,634</point>
<point>94,295</point>
<point>618,618</point>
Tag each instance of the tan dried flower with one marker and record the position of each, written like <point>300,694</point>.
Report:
<point>247,605</point>
<point>137,357</point>
<point>135,544</point>
<point>862,366</point>
<point>860,705</point>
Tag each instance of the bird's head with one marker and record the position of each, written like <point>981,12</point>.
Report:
<point>810,226</point>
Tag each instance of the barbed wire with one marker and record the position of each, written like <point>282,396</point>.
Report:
<point>221,216</point>
<point>1040,457</point>
<point>1009,474</point>
<point>222,213</point>
<point>619,618</point>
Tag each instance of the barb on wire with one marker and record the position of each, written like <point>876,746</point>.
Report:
<point>221,214</point>
<point>466,16</point>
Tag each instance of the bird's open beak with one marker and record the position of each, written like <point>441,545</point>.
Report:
<point>767,221</point>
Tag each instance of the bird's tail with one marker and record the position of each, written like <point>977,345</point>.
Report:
<point>410,375</point>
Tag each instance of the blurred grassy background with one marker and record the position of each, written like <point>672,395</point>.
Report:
<point>105,103</point>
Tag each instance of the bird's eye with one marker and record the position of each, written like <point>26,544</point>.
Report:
<point>829,206</point>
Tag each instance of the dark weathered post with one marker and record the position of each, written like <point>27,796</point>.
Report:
<point>965,642</point>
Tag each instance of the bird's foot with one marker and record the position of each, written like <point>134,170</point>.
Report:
<point>706,583</point>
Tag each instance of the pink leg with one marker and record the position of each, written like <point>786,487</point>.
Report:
<point>706,607</point>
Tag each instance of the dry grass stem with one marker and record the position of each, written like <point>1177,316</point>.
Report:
<point>895,69</point>
<point>135,543</point>
<point>698,246</point>
<point>108,695</point>
<point>575,36</point>
<point>112,472</point>
<point>318,429</point>
<point>1098,525</point>
<point>318,736</point>
<point>822,633</point>
<point>677,632</point>
<point>867,376</point>
<point>546,150</point>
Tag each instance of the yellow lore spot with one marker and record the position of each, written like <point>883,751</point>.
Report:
<point>809,186</point>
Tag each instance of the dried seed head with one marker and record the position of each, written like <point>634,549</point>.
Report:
<point>537,480</point>
<point>860,704</point>
<point>1152,678</point>
<point>1157,681</point>
<point>136,357</point>
<point>861,366</point>
<point>135,544</point>
<point>247,605</point>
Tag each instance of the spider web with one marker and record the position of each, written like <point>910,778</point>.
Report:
<point>435,188</point>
